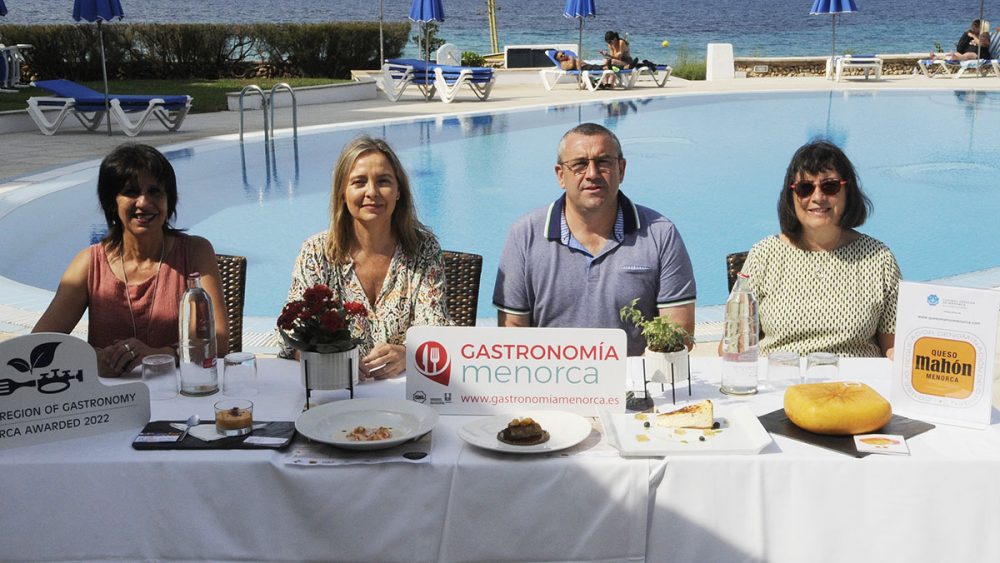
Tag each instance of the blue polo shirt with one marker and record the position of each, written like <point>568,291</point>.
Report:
<point>546,273</point>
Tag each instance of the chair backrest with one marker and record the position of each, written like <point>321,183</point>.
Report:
<point>448,54</point>
<point>233,272</point>
<point>995,44</point>
<point>734,263</point>
<point>462,273</point>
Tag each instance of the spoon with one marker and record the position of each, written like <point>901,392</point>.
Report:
<point>192,421</point>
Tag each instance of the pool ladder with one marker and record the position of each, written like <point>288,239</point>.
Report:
<point>266,100</point>
<point>270,161</point>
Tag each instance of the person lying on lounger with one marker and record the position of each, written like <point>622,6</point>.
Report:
<point>569,62</point>
<point>974,44</point>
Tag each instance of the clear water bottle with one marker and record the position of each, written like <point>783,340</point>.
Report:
<point>739,343</point>
<point>197,350</point>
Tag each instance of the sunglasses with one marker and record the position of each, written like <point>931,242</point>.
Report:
<point>829,186</point>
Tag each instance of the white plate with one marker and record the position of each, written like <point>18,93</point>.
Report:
<point>331,422</point>
<point>565,431</point>
<point>740,433</point>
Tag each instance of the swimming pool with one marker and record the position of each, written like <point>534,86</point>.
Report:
<point>711,163</point>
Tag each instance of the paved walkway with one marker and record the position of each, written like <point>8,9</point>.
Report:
<point>28,153</point>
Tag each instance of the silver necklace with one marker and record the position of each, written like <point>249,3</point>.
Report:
<point>128,294</point>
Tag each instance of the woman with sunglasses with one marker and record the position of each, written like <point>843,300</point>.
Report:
<point>820,284</point>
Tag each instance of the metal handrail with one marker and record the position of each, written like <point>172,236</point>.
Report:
<point>263,101</point>
<point>295,111</point>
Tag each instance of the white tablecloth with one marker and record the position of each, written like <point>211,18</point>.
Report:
<point>98,499</point>
<point>797,502</point>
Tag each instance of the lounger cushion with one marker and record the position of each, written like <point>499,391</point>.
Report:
<point>88,99</point>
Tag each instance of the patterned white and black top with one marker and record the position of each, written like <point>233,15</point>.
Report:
<point>831,301</point>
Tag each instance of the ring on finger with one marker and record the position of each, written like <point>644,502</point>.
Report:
<point>127,347</point>
<point>132,352</point>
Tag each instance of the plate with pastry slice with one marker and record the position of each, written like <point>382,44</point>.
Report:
<point>699,427</point>
<point>527,432</point>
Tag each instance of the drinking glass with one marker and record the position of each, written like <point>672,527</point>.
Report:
<point>783,369</point>
<point>160,374</point>
<point>822,366</point>
<point>239,378</point>
<point>233,417</point>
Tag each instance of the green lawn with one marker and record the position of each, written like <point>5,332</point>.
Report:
<point>209,95</point>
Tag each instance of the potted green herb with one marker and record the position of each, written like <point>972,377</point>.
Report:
<point>666,345</point>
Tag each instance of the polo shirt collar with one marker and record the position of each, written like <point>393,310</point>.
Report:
<point>554,220</point>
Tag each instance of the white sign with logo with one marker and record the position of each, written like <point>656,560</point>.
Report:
<point>945,353</point>
<point>473,370</point>
<point>49,390</point>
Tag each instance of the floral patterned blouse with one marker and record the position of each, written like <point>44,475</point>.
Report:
<point>412,294</point>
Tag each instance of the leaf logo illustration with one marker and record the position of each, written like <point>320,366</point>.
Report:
<point>41,357</point>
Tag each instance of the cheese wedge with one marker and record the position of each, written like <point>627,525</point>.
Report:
<point>837,408</point>
<point>695,415</point>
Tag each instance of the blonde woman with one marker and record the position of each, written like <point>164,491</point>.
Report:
<point>376,253</point>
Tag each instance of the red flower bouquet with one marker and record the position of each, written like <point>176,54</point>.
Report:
<point>319,322</point>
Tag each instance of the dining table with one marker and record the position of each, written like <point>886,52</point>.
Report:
<point>98,498</point>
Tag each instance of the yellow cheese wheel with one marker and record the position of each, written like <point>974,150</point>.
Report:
<point>836,408</point>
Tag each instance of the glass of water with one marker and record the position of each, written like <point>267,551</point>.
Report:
<point>160,374</point>
<point>822,366</point>
<point>239,378</point>
<point>783,369</point>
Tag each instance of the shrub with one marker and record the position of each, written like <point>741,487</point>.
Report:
<point>470,58</point>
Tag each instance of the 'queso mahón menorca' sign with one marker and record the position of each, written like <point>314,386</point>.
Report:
<point>49,390</point>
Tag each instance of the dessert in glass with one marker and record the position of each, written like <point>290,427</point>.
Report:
<point>233,417</point>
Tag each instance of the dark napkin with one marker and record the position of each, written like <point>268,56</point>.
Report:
<point>777,423</point>
<point>284,430</point>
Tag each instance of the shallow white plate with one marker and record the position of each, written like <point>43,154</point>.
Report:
<point>740,433</point>
<point>331,422</point>
<point>565,431</point>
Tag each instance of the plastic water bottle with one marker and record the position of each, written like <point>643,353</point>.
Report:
<point>197,351</point>
<point>739,343</point>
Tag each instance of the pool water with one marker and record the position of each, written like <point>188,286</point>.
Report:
<point>714,164</point>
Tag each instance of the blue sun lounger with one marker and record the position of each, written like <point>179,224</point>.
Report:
<point>928,66</point>
<point>431,78</point>
<point>590,78</point>
<point>88,107</point>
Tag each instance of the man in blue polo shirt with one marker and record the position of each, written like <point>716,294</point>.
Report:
<point>578,261</point>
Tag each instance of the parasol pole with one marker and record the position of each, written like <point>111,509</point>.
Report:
<point>579,60</point>
<point>104,73</point>
<point>381,40</point>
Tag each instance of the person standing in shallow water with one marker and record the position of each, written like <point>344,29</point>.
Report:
<point>820,284</point>
<point>132,281</point>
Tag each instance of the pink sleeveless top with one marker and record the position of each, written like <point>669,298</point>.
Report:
<point>155,316</point>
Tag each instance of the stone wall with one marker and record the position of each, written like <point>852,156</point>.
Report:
<point>755,67</point>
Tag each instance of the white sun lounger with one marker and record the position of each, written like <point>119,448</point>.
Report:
<point>934,67</point>
<point>868,63</point>
<point>432,78</point>
<point>659,76</point>
<point>591,78</point>
<point>88,107</point>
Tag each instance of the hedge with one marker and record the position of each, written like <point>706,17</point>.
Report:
<point>184,51</point>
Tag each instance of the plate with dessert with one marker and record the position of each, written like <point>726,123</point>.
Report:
<point>366,424</point>
<point>696,428</point>
<point>528,432</point>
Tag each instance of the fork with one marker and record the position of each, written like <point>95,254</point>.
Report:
<point>8,386</point>
<point>435,358</point>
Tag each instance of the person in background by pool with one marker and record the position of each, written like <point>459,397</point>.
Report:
<point>579,260</point>
<point>820,284</point>
<point>619,54</point>
<point>973,42</point>
<point>376,253</point>
<point>131,282</point>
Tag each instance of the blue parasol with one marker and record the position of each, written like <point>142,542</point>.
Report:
<point>833,7</point>
<point>580,9</point>
<point>424,11</point>
<point>100,11</point>
<point>3,9</point>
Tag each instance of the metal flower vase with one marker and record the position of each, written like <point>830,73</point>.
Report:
<point>331,371</point>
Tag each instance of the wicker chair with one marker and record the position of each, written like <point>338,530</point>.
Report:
<point>734,263</point>
<point>233,273</point>
<point>462,273</point>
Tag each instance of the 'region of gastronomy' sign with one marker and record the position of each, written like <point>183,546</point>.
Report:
<point>49,390</point>
<point>945,353</point>
<point>474,370</point>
